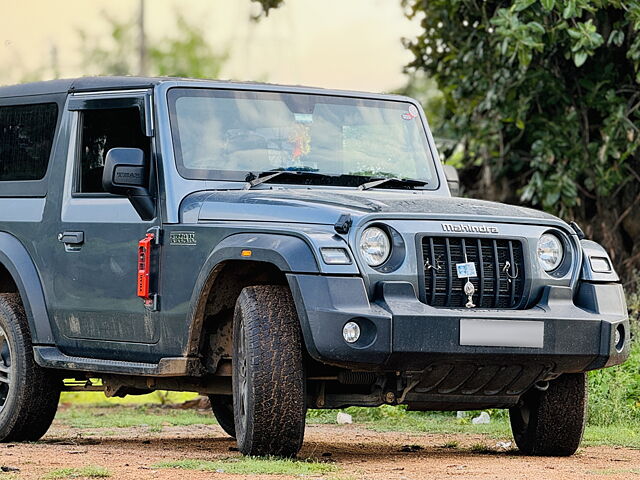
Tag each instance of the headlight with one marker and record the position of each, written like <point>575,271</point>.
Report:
<point>550,252</point>
<point>375,246</point>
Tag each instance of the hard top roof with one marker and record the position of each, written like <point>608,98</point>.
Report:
<point>102,83</point>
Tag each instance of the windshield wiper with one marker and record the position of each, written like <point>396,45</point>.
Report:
<point>284,173</point>
<point>399,182</point>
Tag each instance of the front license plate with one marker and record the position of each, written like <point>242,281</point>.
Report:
<point>501,333</point>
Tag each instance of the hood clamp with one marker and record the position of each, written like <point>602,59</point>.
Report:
<point>343,225</point>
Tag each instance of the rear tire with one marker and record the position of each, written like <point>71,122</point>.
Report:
<point>268,373</point>
<point>29,394</point>
<point>551,422</point>
<point>222,406</point>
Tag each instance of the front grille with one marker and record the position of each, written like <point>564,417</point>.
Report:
<point>499,267</point>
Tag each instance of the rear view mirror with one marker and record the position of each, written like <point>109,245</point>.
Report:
<point>125,173</point>
<point>453,179</point>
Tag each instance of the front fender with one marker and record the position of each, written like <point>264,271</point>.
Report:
<point>15,258</point>
<point>288,253</point>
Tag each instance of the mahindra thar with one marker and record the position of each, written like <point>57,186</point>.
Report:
<point>280,248</point>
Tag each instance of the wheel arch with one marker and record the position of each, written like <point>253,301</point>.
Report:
<point>18,274</point>
<point>226,271</point>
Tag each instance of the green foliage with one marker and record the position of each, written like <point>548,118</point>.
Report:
<point>253,466</point>
<point>543,98</point>
<point>186,55</point>
<point>614,393</point>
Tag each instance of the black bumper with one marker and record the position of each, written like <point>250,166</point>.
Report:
<point>399,333</point>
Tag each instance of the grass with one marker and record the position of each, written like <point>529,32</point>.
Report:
<point>140,416</point>
<point>381,419</point>
<point>84,472</point>
<point>253,466</point>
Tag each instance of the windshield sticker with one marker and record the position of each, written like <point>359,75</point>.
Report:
<point>303,117</point>
<point>411,113</point>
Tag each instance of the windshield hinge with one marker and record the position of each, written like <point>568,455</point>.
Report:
<point>343,225</point>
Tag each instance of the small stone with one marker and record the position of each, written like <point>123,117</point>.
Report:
<point>5,468</point>
<point>481,419</point>
<point>461,414</point>
<point>344,419</point>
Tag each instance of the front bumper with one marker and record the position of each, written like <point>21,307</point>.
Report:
<point>400,333</point>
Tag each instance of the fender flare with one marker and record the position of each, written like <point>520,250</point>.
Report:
<point>15,258</point>
<point>288,253</point>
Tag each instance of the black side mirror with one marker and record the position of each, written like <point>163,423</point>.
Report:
<point>453,179</point>
<point>125,173</point>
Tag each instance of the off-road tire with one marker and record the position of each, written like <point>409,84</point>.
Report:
<point>268,373</point>
<point>551,422</point>
<point>222,406</point>
<point>33,393</point>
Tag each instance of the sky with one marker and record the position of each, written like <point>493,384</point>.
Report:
<point>350,44</point>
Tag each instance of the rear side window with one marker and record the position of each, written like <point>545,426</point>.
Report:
<point>26,139</point>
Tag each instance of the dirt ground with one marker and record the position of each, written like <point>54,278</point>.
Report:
<point>130,453</point>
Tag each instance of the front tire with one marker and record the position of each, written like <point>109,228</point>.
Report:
<point>551,422</point>
<point>268,373</point>
<point>29,394</point>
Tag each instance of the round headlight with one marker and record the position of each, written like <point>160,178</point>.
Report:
<point>375,246</point>
<point>549,252</point>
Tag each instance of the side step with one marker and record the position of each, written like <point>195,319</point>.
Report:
<point>52,357</point>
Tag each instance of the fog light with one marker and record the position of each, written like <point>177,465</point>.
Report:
<point>351,332</point>
<point>618,338</point>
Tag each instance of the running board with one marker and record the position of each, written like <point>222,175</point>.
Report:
<point>52,357</point>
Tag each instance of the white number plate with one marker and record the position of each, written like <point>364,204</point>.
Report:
<point>501,333</point>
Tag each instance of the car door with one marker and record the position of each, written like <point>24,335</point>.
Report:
<point>96,308</point>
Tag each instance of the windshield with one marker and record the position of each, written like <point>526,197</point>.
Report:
<point>237,135</point>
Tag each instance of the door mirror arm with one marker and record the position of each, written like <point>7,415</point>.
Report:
<point>125,173</point>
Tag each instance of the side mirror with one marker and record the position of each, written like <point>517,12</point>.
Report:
<point>453,179</point>
<point>125,174</point>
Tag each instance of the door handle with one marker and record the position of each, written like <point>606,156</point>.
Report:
<point>71,238</point>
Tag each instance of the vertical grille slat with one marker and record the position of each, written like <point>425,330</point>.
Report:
<point>512,284</point>
<point>496,262</point>
<point>450,273</point>
<point>433,264</point>
<point>443,288</point>
<point>481,269</point>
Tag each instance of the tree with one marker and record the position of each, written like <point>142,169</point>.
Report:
<point>542,98</point>
<point>545,97</point>
<point>186,55</point>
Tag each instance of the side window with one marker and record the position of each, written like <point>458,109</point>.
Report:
<point>26,139</point>
<point>103,130</point>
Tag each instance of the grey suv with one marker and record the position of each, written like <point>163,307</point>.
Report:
<point>280,248</point>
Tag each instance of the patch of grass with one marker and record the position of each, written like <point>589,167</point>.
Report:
<point>452,444</point>
<point>614,393</point>
<point>122,417</point>
<point>253,466</point>
<point>84,472</point>
<point>397,419</point>
<point>98,399</point>
<point>614,471</point>
<point>481,448</point>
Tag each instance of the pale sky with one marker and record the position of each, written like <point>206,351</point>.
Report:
<point>352,44</point>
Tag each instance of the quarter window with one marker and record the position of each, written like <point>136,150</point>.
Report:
<point>26,140</point>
